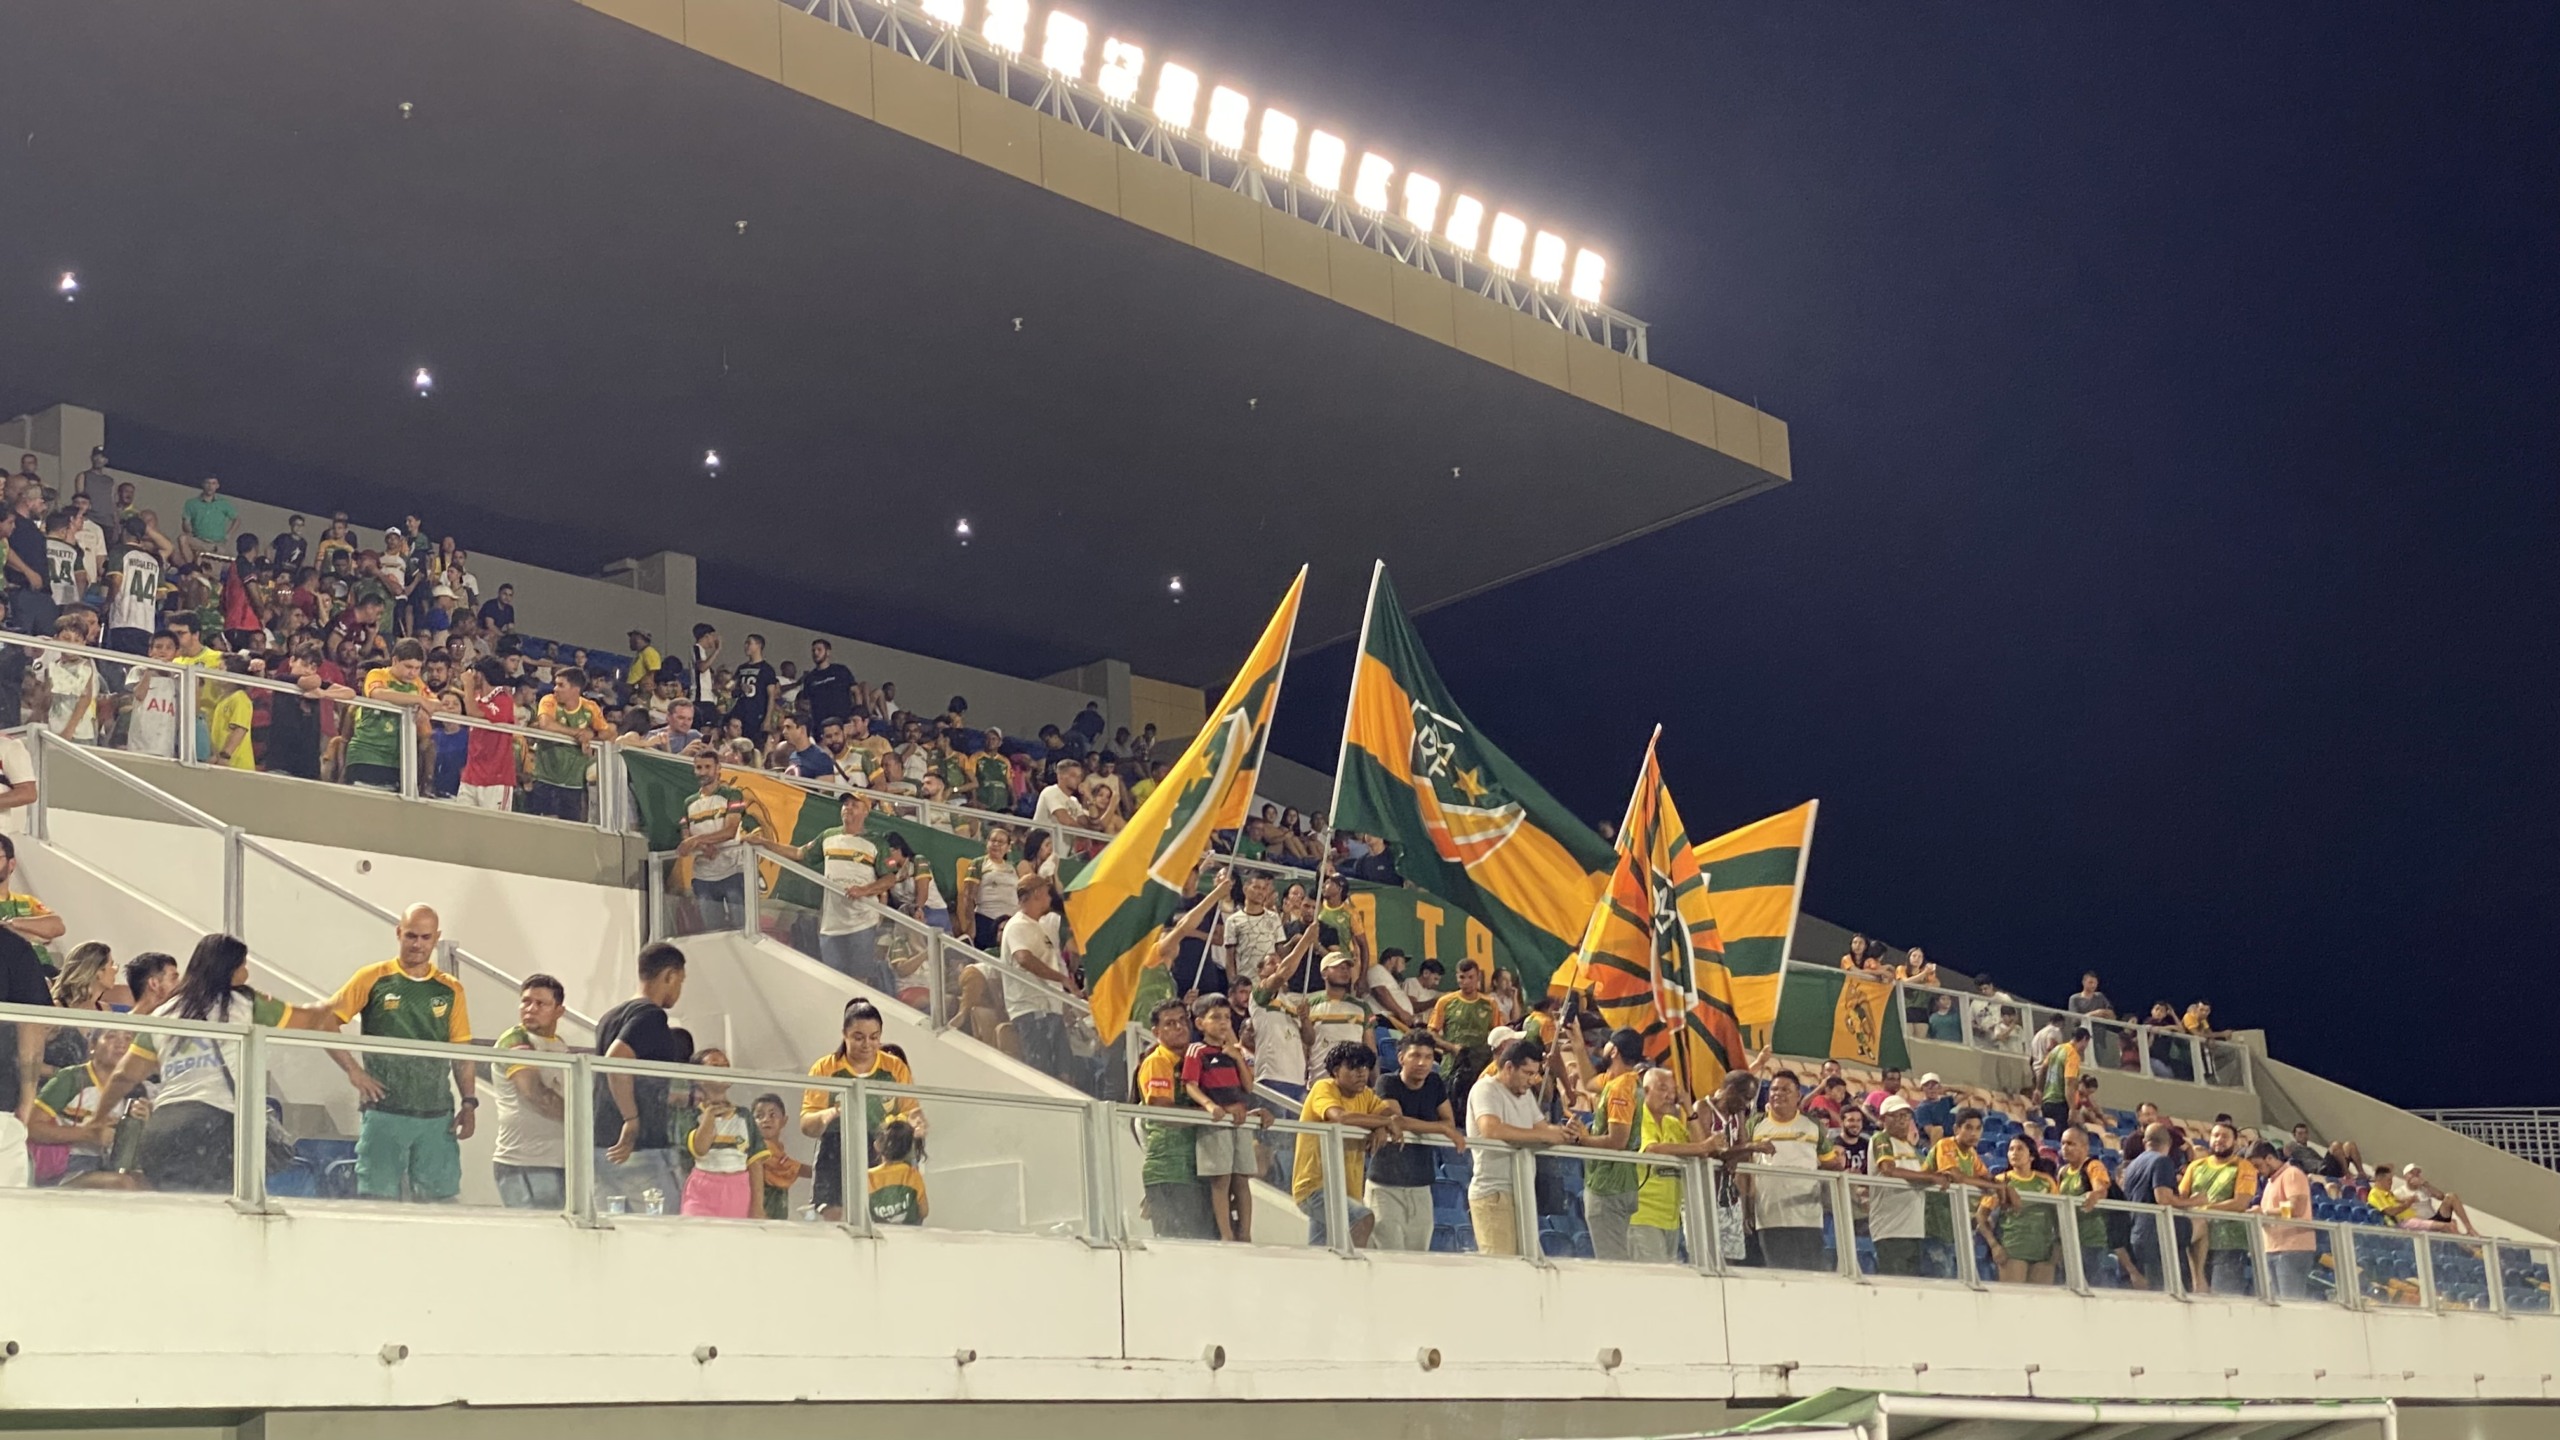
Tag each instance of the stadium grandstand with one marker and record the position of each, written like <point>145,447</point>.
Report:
<point>477,945</point>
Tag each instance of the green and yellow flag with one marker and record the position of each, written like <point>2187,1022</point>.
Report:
<point>1835,1015</point>
<point>1650,960</point>
<point>1462,820</point>
<point>1117,904</point>
<point>1755,882</point>
<point>661,786</point>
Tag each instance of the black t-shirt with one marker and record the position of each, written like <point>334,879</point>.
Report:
<point>293,736</point>
<point>642,1026</point>
<point>27,541</point>
<point>829,688</point>
<point>1405,1163</point>
<point>756,681</point>
<point>22,982</point>
<point>498,613</point>
<point>289,550</point>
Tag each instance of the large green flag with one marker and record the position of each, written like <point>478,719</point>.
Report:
<point>1835,1015</point>
<point>1462,820</point>
<point>661,786</point>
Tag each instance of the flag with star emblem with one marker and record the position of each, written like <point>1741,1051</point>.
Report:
<point>1755,883</point>
<point>1117,904</point>
<point>1462,821</point>
<point>1650,959</point>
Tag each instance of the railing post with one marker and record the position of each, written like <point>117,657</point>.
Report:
<point>2261,1273</point>
<point>1844,1225</point>
<point>1337,1198</point>
<point>751,900</point>
<point>654,924</point>
<point>408,718</point>
<point>2075,1262</point>
<point>612,791</point>
<point>1524,1204</point>
<point>1964,1020</point>
<point>937,985</point>
<point>235,883</point>
<point>2350,1278</point>
<point>2173,1255</point>
<point>2426,1258</point>
<point>1698,1213</point>
<point>855,1153</point>
<point>249,1125</point>
<point>39,820</point>
<point>2142,1049</point>
<point>1960,1219</point>
<point>188,702</point>
<point>578,1140</point>
<point>1101,1187</point>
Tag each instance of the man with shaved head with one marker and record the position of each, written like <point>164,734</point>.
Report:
<point>409,1145</point>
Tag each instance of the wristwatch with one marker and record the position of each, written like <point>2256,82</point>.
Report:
<point>470,1102</point>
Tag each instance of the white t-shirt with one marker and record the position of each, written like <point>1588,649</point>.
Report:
<point>1419,997</point>
<point>1053,800</point>
<point>93,549</point>
<point>16,765</point>
<point>726,1143</point>
<point>1897,1211</point>
<point>71,679</point>
<point>62,569</point>
<point>849,860</point>
<point>197,1070</point>
<point>704,815</point>
<point>1780,1204</point>
<point>1253,939</point>
<point>1491,1099</point>
<point>152,698</point>
<point>999,888</point>
<point>1279,1045</point>
<point>526,1136</point>
<point>1026,994</point>
<point>137,600</point>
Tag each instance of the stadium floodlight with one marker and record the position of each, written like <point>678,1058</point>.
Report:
<point>1325,154</point>
<point>1121,62</point>
<point>1465,229</point>
<point>1278,149</point>
<point>423,382</point>
<point>1007,25</point>
<point>1177,95</point>
<point>1589,272</point>
<point>1174,589</point>
<point>1062,45</point>
<point>1369,185</point>
<point>1510,237</point>
<point>1227,112</point>
<point>962,530</point>
<point>69,288</point>
<point>953,13</point>
<point>711,462</point>
<point>1546,258</point>
<point>1421,202</point>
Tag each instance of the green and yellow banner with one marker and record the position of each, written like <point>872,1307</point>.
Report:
<point>661,786</point>
<point>1835,1015</point>
<point>1424,927</point>
<point>1650,960</point>
<point>1462,820</point>
<point>1117,905</point>
<point>1755,883</point>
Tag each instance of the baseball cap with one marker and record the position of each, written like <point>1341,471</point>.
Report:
<point>1931,1079</point>
<point>1895,1105</point>
<point>1502,1035</point>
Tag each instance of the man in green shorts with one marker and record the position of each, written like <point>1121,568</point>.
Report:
<point>410,1141</point>
<point>373,753</point>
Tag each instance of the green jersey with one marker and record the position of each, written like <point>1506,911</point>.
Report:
<point>377,735</point>
<point>995,783</point>
<point>564,762</point>
<point>392,1003</point>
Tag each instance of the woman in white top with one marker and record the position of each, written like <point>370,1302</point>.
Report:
<point>988,896</point>
<point>72,683</point>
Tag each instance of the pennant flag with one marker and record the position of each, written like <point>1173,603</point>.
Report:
<point>1118,902</point>
<point>1755,883</point>
<point>1834,1015</point>
<point>661,785</point>
<point>1649,959</point>
<point>1462,821</point>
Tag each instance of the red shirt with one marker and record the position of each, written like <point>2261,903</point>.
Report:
<point>491,759</point>
<point>1214,1071</point>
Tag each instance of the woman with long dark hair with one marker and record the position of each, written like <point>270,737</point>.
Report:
<point>187,1142</point>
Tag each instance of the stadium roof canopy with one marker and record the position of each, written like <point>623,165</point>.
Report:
<point>281,209</point>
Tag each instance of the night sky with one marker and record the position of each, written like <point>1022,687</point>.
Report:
<point>2173,402</point>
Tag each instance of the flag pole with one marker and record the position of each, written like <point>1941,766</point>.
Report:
<point>1795,909</point>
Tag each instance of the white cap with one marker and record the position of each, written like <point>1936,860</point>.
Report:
<point>1931,1078</point>
<point>1895,1105</point>
<point>1502,1035</point>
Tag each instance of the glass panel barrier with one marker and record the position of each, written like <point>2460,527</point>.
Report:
<point>1904,1228</point>
<point>1010,1165</point>
<point>394,1136</point>
<point>183,866</point>
<point>134,1104</point>
<point>1171,1169</point>
<point>2302,1263</point>
<point>2387,1268</point>
<point>2115,1047</point>
<point>2137,1257</point>
<point>2524,1275</point>
<point>1634,1206</point>
<point>1791,1224</point>
<point>681,904</point>
<point>2462,1270</point>
<point>2027,1236</point>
